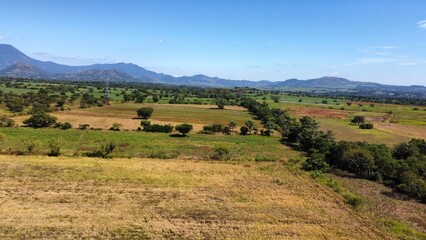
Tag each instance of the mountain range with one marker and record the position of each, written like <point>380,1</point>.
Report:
<point>14,63</point>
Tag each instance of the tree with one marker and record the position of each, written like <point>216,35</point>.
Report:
<point>184,128</point>
<point>30,144</point>
<point>5,121</point>
<point>116,127</point>
<point>358,120</point>
<point>221,102</point>
<point>276,98</point>
<point>55,147</point>
<point>250,126</point>
<point>40,120</point>
<point>359,161</point>
<point>145,112</point>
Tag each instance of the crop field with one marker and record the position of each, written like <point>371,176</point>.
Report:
<point>69,198</point>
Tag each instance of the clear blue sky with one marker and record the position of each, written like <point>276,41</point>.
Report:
<point>381,40</point>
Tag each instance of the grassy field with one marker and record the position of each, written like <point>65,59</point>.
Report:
<point>69,198</point>
<point>141,144</point>
<point>396,211</point>
<point>125,113</point>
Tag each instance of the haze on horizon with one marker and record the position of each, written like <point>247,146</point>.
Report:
<point>380,41</point>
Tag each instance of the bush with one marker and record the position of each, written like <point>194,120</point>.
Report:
<point>40,120</point>
<point>316,161</point>
<point>145,112</point>
<point>5,121</point>
<point>55,147</point>
<point>366,126</point>
<point>148,127</point>
<point>103,152</point>
<point>63,126</point>
<point>83,126</point>
<point>184,128</point>
<point>116,127</point>
<point>215,127</point>
<point>30,144</point>
<point>220,153</point>
<point>358,120</point>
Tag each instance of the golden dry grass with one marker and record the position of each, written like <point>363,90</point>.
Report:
<point>74,198</point>
<point>125,113</point>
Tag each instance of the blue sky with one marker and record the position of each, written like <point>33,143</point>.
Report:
<point>382,41</point>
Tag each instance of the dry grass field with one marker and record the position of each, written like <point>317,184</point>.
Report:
<point>125,113</point>
<point>81,198</point>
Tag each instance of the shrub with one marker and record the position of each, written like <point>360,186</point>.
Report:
<point>63,126</point>
<point>5,121</point>
<point>55,147</point>
<point>358,120</point>
<point>116,127</point>
<point>40,120</point>
<point>215,127</point>
<point>83,126</point>
<point>103,152</point>
<point>30,144</point>
<point>366,126</point>
<point>184,128</point>
<point>145,112</point>
<point>148,127</point>
<point>244,130</point>
<point>220,153</point>
<point>316,161</point>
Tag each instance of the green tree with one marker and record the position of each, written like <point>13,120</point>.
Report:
<point>358,120</point>
<point>145,112</point>
<point>184,128</point>
<point>5,121</point>
<point>40,120</point>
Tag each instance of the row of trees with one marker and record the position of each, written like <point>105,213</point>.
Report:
<point>402,167</point>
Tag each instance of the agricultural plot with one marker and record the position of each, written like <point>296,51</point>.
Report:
<point>125,113</point>
<point>68,198</point>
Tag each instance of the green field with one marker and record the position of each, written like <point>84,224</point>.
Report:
<point>141,144</point>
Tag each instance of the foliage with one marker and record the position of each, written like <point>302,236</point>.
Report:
<point>40,120</point>
<point>145,112</point>
<point>148,127</point>
<point>116,127</point>
<point>184,128</point>
<point>55,147</point>
<point>104,151</point>
<point>31,144</point>
<point>358,120</point>
<point>5,121</point>
<point>63,126</point>
<point>366,126</point>
<point>220,153</point>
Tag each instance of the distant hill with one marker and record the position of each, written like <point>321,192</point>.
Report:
<point>14,63</point>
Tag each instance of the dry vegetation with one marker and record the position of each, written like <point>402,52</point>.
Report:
<point>69,198</point>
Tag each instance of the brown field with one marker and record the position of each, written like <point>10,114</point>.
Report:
<point>197,115</point>
<point>77,198</point>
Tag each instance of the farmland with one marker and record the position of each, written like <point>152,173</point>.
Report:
<point>63,198</point>
<point>166,185</point>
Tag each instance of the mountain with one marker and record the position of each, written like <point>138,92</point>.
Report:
<point>23,70</point>
<point>9,55</point>
<point>14,63</point>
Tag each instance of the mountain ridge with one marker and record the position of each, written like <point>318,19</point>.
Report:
<point>14,63</point>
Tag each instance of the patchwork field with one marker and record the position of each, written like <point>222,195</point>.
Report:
<point>69,198</point>
<point>125,113</point>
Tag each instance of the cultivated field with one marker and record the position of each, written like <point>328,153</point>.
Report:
<point>69,198</point>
